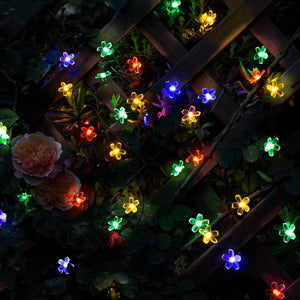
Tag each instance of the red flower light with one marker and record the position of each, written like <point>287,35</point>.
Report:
<point>255,75</point>
<point>78,199</point>
<point>195,158</point>
<point>88,133</point>
<point>135,65</point>
<point>114,239</point>
<point>276,291</point>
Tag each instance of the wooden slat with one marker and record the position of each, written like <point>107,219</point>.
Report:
<point>293,291</point>
<point>115,30</point>
<point>270,36</point>
<point>211,44</point>
<point>172,50</point>
<point>291,79</point>
<point>238,236</point>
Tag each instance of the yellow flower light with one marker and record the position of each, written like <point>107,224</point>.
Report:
<point>131,206</point>
<point>274,87</point>
<point>208,19</point>
<point>136,101</point>
<point>116,150</point>
<point>208,234</point>
<point>241,205</point>
<point>112,294</point>
<point>66,89</point>
<point>190,115</point>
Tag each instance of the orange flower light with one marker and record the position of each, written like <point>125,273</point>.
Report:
<point>276,291</point>
<point>78,199</point>
<point>195,158</point>
<point>116,150</point>
<point>88,133</point>
<point>255,75</point>
<point>134,65</point>
<point>136,101</point>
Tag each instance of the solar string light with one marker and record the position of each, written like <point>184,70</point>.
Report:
<point>64,263</point>
<point>105,49</point>
<point>190,115</point>
<point>198,223</point>
<point>231,260</point>
<point>271,145</point>
<point>67,59</point>
<point>171,89</point>
<point>275,292</point>
<point>208,234</point>
<point>66,89</point>
<point>274,87</point>
<point>177,168</point>
<point>134,65</point>
<point>136,101</point>
<point>120,114</point>
<point>116,150</point>
<point>4,137</point>
<point>115,224</point>
<point>241,204</point>
<point>88,133</point>
<point>78,199</point>
<point>207,95</point>
<point>3,217</point>
<point>131,206</point>
<point>103,75</point>
<point>195,158</point>
<point>23,197</point>
<point>287,231</point>
<point>261,54</point>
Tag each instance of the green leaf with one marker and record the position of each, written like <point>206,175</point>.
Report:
<point>55,286</point>
<point>129,290</point>
<point>238,175</point>
<point>103,281</point>
<point>166,223</point>
<point>230,158</point>
<point>251,153</point>
<point>200,135</point>
<point>8,117</point>
<point>181,213</point>
<point>164,240</point>
<point>207,125</point>
<point>121,278</point>
<point>114,100</point>
<point>264,176</point>
<point>156,257</point>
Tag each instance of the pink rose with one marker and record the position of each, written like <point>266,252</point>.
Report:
<point>35,156</point>
<point>57,192</point>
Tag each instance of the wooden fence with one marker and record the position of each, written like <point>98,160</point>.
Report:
<point>188,67</point>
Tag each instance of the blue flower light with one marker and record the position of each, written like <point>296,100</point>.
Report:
<point>171,89</point>
<point>2,217</point>
<point>146,119</point>
<point>207,95</point>
<point>64,265</point>
<point>231,260</point>
<point>67,59</point>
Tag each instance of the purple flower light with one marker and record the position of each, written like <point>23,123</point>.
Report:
<point>207,95</point>
<point>231,260</point>
<point>64,265</point>
<point>67,59</point>
<point>165,108</point>
<point>171,89</point>
<point>2,217</point>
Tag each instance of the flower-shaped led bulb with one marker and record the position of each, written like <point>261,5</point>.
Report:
<point>177,168</point>
<point>208,234</point>
<point>261,54</point>
<point>67,59</point>
<point>255,75</point>
<point>64,265</point>
<point>116,150</point>
<point>274,87</point>
<point>146,119</point>
<point>78,199</point>
<point>134,65</point>
<point>271,146</point>
<point>190,115</point>
<point>103,75</point>
<point>173,7</point>
<point>113,295</point>
<point>3,134</point>
<point>198,223</point>
<point>241,205</point>
<point>88,133</point>
<point>136,101</point>
<point>120,114</point>
<point>115,224</point>
<point>276,291</point>
<point>171,89</point>
<point>3,217</point>
<point>24,196</point>
<point>231,260</point>
<point>207,95</point>
<point>208,19</point>
<point>287,231</point>
<point>66,89</point>
<point>195,158</point>
<point>131,206</point>
<point>105,49</point>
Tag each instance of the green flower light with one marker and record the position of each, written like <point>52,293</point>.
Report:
<point>105,49</point>
<point>103,75</point>
<point>172,7</point>
<point>177,168</point>
<point>198,223</point>
<point>120,114</point>
<point>24,196</point>
<point>3,134</point>
<point>271,146</point>
<point>115,224</point>
<point>261,54</point>
<point>287,231</point>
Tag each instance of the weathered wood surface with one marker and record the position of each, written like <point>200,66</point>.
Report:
<point>238,236</point>
<point>114,31</point>
<point>270,36</point>
<point>211,44</point>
